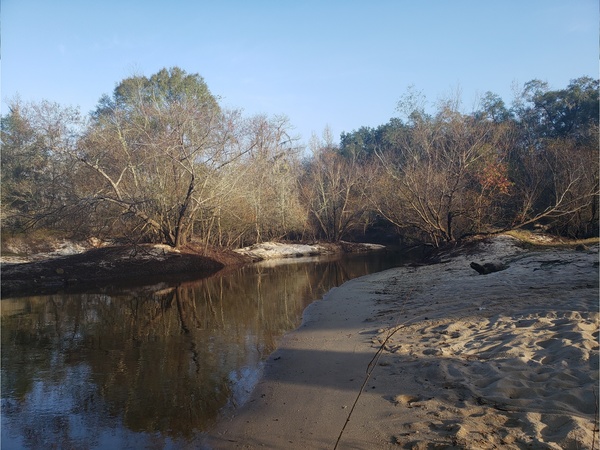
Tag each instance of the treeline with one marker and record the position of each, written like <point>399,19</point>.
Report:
<point>160,160</point>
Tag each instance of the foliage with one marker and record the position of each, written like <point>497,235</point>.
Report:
<point>555,164</point>
<point>441,181</point>
<point>160,160</point>
<point>153,149</point>
<point>37,182</point>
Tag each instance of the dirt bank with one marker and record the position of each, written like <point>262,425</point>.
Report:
<point>72,267</point>
<point>113,266</point>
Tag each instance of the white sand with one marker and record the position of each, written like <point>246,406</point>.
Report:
<point>278,250</point>
<point>506,360</point>
<point>269,250</point>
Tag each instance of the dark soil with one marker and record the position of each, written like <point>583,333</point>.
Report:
<point>112,267</point>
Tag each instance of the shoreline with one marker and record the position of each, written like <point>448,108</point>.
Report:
<point>73,268</point>
<point>504,360</point>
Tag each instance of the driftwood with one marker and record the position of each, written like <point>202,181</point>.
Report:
<point>488,267</point>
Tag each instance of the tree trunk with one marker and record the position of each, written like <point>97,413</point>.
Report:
<point>181,228</point>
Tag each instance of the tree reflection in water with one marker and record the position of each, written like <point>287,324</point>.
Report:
<point>155,365</point>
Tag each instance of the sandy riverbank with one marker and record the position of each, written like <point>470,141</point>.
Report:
<point>504,360</point>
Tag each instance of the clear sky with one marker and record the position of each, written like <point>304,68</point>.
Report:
<point>340,63</point>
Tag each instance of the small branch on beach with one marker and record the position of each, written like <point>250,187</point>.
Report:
<point>596,424</point>
<point>370,367</point>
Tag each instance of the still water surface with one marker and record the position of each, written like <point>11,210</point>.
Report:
<point>151,367</point>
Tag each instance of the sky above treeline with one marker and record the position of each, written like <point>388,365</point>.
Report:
<point>337,63</point>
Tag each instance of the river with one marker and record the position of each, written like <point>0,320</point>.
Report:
<point>152,367</point>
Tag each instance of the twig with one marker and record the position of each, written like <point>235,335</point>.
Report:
<point>596,423</point>
<point>370,367</point>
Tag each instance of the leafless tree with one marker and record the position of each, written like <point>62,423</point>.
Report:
<point>334,189</point>
<point>440,180</point>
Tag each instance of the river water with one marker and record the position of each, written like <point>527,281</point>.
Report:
<point>156,366</point>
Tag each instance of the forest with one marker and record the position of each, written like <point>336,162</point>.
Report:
<point>160,160</point>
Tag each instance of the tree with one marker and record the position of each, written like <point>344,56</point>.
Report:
<point>271,188</point>
<point>334,189</point>
<point>555,164</point>
<point>37,181</point>
<point>365,142</point>
<point>493,108</point>
<point>440,179</point>
<point>265,204</point>
<point>561,113</point>
<point>155,148</point>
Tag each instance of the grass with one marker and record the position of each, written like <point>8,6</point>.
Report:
<point>546,240</point>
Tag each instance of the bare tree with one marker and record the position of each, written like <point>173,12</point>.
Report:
<point>37,180</point>
<point>440,179</point>
<point>334,189</point>
<point>559,186</point>
<point>555,165</point>
<point>156,149</point>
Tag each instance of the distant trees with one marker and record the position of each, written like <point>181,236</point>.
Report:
<point>334,190</point>
<point>38,183</point>
<point>159,160</point>
<point>441,180</point>
<point>447,175</point>
<point>265,203</point>
<point>555,164</point>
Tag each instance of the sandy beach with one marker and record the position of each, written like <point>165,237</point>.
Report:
<point>505,360</point>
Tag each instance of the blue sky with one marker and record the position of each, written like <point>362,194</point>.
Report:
<point>344,64</point>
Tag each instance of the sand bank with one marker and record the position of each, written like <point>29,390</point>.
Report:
<point>504,360</point>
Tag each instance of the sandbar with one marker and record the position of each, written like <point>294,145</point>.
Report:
<point>438,356</point>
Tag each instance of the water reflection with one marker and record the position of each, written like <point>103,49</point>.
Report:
<point>151,366</point>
